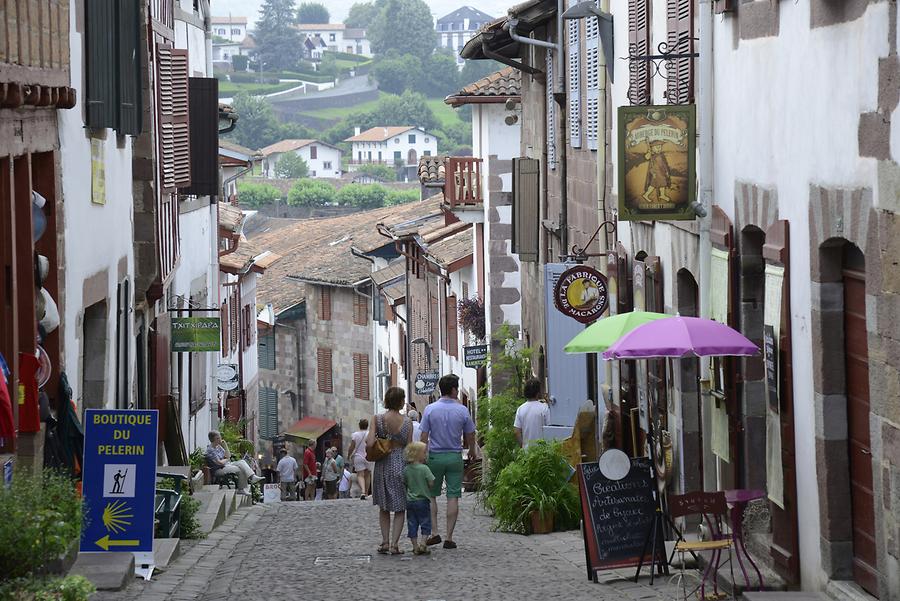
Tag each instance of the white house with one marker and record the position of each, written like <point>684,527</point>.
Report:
<point>336,37</point>
<point>223,51</point>
<point>457,28</point>
<point>402,145</point>
<point>323,160</point>
<point>231,28</point>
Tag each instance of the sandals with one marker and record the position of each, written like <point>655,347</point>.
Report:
<point>383,549</point>
<point>396,551</point>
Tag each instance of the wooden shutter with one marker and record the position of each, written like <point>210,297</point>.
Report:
<point>360,310</point>
<point>551,109</point>
<point>235,323</point>
<point>226,333</point>
<point>434,320</point>
<point>592,82</point>
<point>100,63</point>
<point>639,45</point>
<point>388,309</point>
<point>452,337</point>
<point>265,349</point>
<point>573,97</point>
<point>128,54</point>
<point>361,376</point>
<point>268,413</point>
<point>402,343</point>
<point>248,323</point>
<point>174,126</point>
<point>394,376</point>
<point>324,303</point>
<point>323,370</point>
<point>680,37</point>
<point>204,130</point>
<point>526,208</point>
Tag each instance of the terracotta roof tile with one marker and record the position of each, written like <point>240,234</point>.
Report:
<point>247,255</point>
<point>432,170</point>
<point>505,83</point>
<point>229,20</point>
<point>230,217</point>
<point>285,146</point>
<point>453,248</point>
<point>380,134</point>
<point>318,250</point>
<point>391,272</point>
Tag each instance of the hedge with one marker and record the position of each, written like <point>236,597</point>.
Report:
<point>356,58</point>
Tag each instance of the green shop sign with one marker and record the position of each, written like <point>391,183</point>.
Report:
<point>195,334</point>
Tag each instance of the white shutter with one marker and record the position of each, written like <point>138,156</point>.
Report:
<point>573,95</point>
<point>551,111</point>
<point>592,82</point>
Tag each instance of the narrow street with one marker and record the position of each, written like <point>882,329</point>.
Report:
<point>326,550</point>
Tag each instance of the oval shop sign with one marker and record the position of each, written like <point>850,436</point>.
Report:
<point>581,293</point>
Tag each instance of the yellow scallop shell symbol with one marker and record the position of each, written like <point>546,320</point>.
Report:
<point>117,516</point>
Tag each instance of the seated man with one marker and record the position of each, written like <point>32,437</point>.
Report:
<point>287,472</point>
<point>217,455</point>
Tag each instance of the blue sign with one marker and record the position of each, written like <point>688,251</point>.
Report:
<point>119,480</point>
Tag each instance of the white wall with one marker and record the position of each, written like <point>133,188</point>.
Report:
<point>456,365</point>
<point>87,223</point>
<point>317,166</point>
<point>396,144</point>
<point>228,30</point>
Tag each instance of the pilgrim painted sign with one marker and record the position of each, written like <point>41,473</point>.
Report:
<point>657,148</point>
<point>581,293</point>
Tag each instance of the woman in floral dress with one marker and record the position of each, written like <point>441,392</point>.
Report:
<point>388,487</point>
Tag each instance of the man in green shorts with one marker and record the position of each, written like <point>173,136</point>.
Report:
<point>445,424</point>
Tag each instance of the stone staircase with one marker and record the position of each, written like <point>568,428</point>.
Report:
<point>216,504</point>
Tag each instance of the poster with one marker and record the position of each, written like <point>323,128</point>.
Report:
<point>772,319</point>
<point>719,441</point>
<point>718,286</point>
<point>195,334</point>
<point>657,150</point>
<point>98,172</point>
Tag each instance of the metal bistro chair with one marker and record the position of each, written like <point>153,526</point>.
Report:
<point>712,508</point>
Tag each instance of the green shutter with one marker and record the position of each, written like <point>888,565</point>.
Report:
<point>268,413</point>
<point>266,351</point>
<point>100,63</point>
<point>129,67</point>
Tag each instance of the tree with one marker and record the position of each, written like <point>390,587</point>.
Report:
<point>362,15</point>
<point>257,126</point>
<point>410,108</point>
<point>239,62</point>
<point>395,74</point>
<point>313,12</point>
<point>254,196</point>
<point>311,193</point>
<point>472,71</point>
<point>378,171</point>
<point>405,26</point>
<point>362,195</point>
<point>291,166</point>
<point>440,77</point>
<point>399,197</point>
<point>277,40</point>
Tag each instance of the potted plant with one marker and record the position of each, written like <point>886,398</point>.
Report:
<point>540,508</point>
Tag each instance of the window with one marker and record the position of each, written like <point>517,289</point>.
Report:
<point>233,316</point>
<point>426,153</point>
<point>427,139</point>
<point>412,138</point>
<point>379,156</point>
<point>324,303</point>
<point>361,376</point>
<point>265,350</point>
<point>592,85</point>
<point>401,339</point>
<point>360,310</point>
<point>268,413</point>
<point>639,45</point>
<point>396,140</point>
<point>574,80</point>
<point>174,129</point>
<point>313,152</point>
<point>331,37</point>
<point>235,31</point>
<point>398,156</point>
<point>113,66</point>
<point>680,37</point>
<point>248,326</point>
<point>221,31</point>
<point>312,173</point>
<point>378,309</point>
<point>326,165</point>
<point>323,370</point>
<point>551,108</point>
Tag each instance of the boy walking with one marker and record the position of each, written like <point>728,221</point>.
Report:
<point>419,480</point>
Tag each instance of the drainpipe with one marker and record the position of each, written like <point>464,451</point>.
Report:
<point>705,175</point>
<point>207,32</point>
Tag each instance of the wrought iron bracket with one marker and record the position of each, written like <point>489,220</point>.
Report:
<point>657,65</point>
<point>580,254</point>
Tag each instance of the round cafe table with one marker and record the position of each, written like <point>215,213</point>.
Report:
<point>737,500</point>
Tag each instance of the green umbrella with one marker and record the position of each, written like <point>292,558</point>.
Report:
<point>603,333</point>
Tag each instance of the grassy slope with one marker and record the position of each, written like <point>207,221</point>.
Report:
<point>445,114</point>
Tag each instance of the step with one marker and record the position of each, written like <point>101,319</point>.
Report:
<point>165,550</point>
<point>212,509</point>
<point>783,596</point>
<point>106,571</point>
<point>845,590</point>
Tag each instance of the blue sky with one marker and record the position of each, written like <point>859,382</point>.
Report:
<point>339,8</point>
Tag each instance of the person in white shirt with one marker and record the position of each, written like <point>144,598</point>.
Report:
<point>413,415</point>
<point>344,487</point>
<point>287,473</point>
<point>532,415</point>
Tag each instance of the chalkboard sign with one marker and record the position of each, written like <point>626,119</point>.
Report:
<point>618,515</point>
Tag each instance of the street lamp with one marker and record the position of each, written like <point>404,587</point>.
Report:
<point>587,9</point>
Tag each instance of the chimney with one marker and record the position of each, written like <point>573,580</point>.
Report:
<point>356,131</point>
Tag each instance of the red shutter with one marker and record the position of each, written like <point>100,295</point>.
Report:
<point>360,310</point>
<point>324,303</point>
<point>388,310</point>
<point>639,45</point>
<point>434,319</point>
<point>235,324</point>
<point>452,338</point>
<point>394,376</point>
<point>323,369</point>
<point>174,127</point>
<point>364,377</point>
<point>680,73</point>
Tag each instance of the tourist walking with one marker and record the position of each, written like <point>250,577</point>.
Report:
<point>413,415</point>
<point>338,459</point>
<point>445,423</point>
<point>419,481</point>
<point>388,486</point>
<point>287,475</point>
<point>357,454</point>
<point>344,486</point>
<point>330,475</point>
<point>310,471</point>
<point>532,415</point>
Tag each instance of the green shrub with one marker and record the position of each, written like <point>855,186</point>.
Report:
<point>239,62</point>
<point>379,171</point>
<point>42,519</point>
<point>70,588</point>
<point>190,526</point>
<point>311,193</point>
<point>253,196</point>
<point>346,56</point>
<point>400,197</point>
<point>361,195</point>
<point>537,481</point>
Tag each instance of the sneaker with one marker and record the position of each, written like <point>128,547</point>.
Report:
<point>255,479</point>
<point>362,497</point>
<point>433,540</point>
<point>449,544</point>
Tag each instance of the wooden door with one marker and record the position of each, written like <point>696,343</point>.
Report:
<point>857,366</point>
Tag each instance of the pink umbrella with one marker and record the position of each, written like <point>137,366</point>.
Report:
<point>680,337</point>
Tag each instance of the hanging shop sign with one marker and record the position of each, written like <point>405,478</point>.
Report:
<point>581,293</point>
<point>226,376</point>
<point>426,382</point>
<point>657,149</point>
<point>119,483</point>
<point>195,334</point>
<point>475,355</point>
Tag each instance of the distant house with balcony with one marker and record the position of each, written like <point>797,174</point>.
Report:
<point>334,37</point>
<point>231,28</point>
<point>457,28</point>
<point>400,147</point>
<point>324,160</point>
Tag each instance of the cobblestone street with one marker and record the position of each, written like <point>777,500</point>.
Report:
<point>326,550</point>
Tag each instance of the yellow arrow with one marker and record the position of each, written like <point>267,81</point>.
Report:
<point>105,543</point>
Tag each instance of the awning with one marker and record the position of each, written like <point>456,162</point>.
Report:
<point>310,428</point>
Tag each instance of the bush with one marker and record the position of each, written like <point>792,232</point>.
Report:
<point>42,518</point>
<point>361,195</point>
<point>346,56</point>
<point>311,193</point>
<point>253,196</point>
<point>190,526</point>
<point>239,62</point>
<point>70,588</point>
<point>291,166</point>
<point>378,171</point>
<point>251,77</point>
<point>400,197</point>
